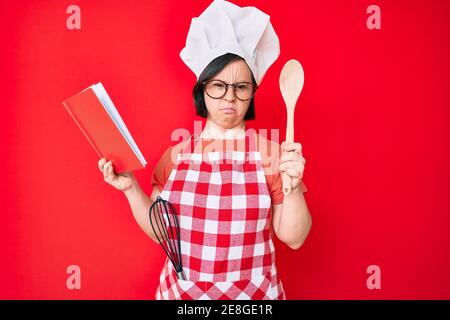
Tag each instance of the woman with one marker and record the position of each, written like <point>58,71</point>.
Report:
<point>229,208</point>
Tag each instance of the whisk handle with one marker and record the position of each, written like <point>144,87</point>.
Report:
<point>180,275</point>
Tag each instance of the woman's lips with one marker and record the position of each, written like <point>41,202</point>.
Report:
<point>228,110</point>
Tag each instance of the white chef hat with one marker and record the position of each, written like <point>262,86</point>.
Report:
<point>226,28</point>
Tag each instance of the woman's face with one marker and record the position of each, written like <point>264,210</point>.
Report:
<point>228,111</point>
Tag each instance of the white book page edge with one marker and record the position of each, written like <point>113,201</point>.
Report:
<point>117,119</point>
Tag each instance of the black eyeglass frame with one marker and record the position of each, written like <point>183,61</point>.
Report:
<point>234,85</point>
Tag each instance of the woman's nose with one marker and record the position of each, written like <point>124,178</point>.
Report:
<point>229,95</point>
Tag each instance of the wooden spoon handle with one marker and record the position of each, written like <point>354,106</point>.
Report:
<point>287,182</point>
<point>286,179</point>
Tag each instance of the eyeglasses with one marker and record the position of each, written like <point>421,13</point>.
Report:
<point>217,89</point>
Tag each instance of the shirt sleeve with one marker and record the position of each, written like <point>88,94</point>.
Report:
<point>162,170</point>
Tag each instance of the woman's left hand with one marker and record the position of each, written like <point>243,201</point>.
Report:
<point>292,162</point>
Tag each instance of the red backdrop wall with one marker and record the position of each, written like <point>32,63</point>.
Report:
<point>373,119</point>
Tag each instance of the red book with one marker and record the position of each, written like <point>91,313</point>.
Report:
<point>98,119</point>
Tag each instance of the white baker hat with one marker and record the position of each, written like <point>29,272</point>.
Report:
<point>226,28</point>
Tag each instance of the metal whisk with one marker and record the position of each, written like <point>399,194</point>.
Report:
<point>164,222</point>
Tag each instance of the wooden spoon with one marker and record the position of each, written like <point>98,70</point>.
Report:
<point>292,78</point>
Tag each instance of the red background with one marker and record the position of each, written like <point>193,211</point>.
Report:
<point>373,119</point>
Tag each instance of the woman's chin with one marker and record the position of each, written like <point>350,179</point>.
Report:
<point>229,121</point>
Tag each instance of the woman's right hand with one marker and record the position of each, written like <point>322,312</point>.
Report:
<point>122,181</point>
